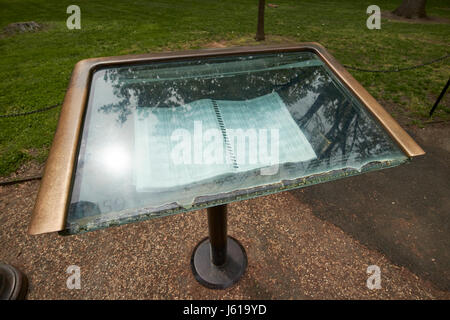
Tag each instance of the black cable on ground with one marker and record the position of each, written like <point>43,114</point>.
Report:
<point>21,180</point>
<point>29,112</point>
<point>346,66</point>
<point>399,69</point>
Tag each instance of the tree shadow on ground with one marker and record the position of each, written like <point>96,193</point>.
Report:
<point>402,212</point>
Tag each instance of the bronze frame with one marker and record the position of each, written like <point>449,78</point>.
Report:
<point>50,210</point>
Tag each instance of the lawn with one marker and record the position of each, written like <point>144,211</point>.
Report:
<point>35,67</point>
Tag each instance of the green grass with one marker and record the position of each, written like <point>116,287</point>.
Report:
<point>35,67</point>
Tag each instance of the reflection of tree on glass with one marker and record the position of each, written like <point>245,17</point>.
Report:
<point>168,86</point>
<point>320,107</point>
<point>324,133</point>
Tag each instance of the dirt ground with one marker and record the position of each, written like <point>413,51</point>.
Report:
<point>312,243</point>
<point>402,212</point>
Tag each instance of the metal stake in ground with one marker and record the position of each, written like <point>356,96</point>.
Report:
<point>218,261</point>
<point>440,97</point>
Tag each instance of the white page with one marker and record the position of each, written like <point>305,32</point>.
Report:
<point>266,113</point>
<point>155,128</point>
<point>155,167</point>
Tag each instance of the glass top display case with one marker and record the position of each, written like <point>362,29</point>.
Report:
<point>141,137</point>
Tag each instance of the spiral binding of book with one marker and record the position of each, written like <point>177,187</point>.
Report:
<point>229,150</point>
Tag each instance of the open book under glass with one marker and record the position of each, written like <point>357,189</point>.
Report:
<point>167,139</point>
<point>162,134</point>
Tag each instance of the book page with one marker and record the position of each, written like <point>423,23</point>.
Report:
<point>267,120</point>
<point>173,147</point>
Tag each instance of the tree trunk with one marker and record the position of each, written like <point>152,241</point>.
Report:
<point>411,8</point>
<point>260,31</point>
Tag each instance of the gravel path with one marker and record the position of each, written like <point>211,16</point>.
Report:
<point>292,255</point>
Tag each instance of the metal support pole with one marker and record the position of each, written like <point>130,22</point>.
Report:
<point>218,261</point>
<point>217,223</point>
